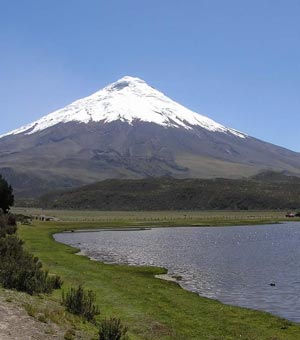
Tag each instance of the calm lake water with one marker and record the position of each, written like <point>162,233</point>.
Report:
<point>234,265</point>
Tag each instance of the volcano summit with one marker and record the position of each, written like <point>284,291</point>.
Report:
<point>130,130</point>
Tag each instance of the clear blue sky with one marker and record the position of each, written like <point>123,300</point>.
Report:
<point>236,61</point>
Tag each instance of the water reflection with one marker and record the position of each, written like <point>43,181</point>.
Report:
<point>234,264</point>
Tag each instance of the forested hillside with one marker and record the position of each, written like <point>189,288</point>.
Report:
<point>268,190</point>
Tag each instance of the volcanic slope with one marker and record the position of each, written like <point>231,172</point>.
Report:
<point>130,130</point>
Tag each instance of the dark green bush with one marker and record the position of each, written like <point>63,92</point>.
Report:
<point>22,271</point>
<point>7,224</point>
<point>112,329</point>
<point>56,281</point>
<point>81,302</point>
<point>11,220</point>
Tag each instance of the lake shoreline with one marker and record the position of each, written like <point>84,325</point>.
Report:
<point>128,290</point>
<point>166,277</point>
<point>171,270</point>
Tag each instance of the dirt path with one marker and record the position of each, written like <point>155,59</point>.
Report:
<point>26,317</point>
<point>16,324</point>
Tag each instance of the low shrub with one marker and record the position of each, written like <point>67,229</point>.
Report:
<point>22,271</point>
<point>112,329</point>
<point>56,281</point>
<point>81,302</point>
<point>7,225</point>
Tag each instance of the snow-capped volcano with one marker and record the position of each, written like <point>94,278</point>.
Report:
<point>130,130</point>
<point>128,99</point>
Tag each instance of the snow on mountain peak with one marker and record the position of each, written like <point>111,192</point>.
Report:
<point>129,99</point>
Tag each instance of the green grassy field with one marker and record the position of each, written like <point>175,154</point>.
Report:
<point>161,217</point>
<point>152,308</point>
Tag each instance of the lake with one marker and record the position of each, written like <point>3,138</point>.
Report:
<point>235,265</point>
